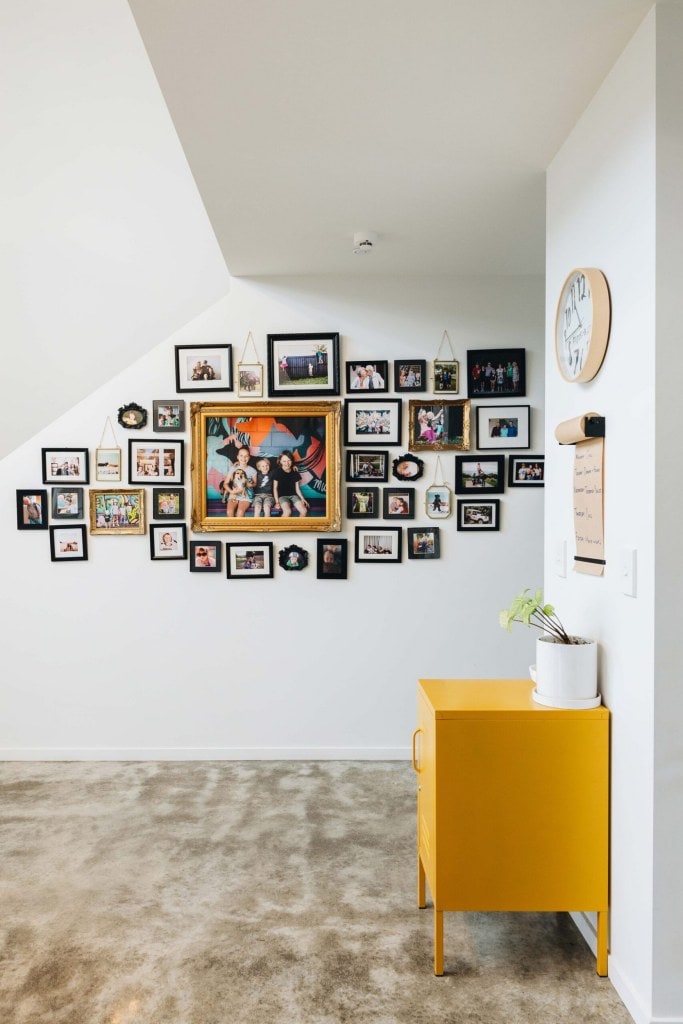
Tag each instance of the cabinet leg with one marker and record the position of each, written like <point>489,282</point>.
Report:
<point>421,891</point>
<point>601,966</point>
<point>438,942</point>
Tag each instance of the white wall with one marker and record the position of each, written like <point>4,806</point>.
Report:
<point>124,657</point>
<point>106,245</point>
<point>601,212</point>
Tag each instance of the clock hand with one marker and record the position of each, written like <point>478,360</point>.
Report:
<point>568,336</point>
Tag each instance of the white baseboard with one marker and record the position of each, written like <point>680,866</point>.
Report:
<point>205,754</point>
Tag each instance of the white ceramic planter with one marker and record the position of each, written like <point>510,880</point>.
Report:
<point>566,675</point>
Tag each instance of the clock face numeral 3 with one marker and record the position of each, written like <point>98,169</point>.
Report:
<point>582,325</point>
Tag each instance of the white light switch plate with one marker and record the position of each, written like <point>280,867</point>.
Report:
<point>560,558</point>
<point>628,571</point>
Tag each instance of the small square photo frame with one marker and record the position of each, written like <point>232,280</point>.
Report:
<point>168,542</point>
<point>68,544</point>
<point>250,380</point>
<point>398,503</point>
<point>168,414</point>
<point>168,503</point>
<point>362,502</point>
<point>303,365</point>
<point>526,470</point>
<point>367,375</point>
<point>372,421</point>
<point>67,503</point>
<point>151,461</point>
<point>378,543</point>
<point>503,426</point>
<point>108,465</point>
<point>32,509</point>
<point>410,375</point>
<point>496,373</point>
<point>479,474</point>
<point>478,515</point>
<point>440,425</point>
<point>203,367</point>
<point>446,376</point>
<point>332,559</point>
<point>249,561</point>
<point>59,463</point>
<point>424,542</point>
<point>206,556</point>
<point>367,466</point>
<point>117,512</point>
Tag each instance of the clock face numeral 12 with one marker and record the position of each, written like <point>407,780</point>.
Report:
<point>582,324</point>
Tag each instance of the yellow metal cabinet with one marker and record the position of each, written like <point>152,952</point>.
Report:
<point>513,803</point>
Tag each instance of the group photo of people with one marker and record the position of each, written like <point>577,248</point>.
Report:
<point>116,510</point>
<point>496,372</point>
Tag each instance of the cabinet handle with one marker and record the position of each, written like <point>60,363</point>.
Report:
<point>414,751</point>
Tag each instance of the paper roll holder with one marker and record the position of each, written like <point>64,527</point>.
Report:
<point>594,426</point>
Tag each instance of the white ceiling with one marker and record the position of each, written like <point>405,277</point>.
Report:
<point>431,124</point>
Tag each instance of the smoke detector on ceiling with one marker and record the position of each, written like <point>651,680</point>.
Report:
<point>363,242</point>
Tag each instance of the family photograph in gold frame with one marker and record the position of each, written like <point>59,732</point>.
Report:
<point>259,466</point>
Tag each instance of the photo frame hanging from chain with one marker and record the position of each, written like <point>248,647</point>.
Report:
<point>446,371</point>
<point>438,497</point>
<point>250,375</point>
<point>108,460</point>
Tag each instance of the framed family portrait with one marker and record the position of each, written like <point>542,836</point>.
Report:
<point>302,365</point>
<point>371,421</point>
<point>367,466</point>
<point>117,512</point>
<point>367,375</point>
<point>332,559</point>
<point>67,503</point>
<point>32,512</point>
<point>68,544</point>
<point>398,503</point>
<point>442,425</point>
<point>378,543</point>
<point>205,557</point>
<point>108,465</point>
<point>168,415</point>
<point>447,375</point>
<point>168,542</point>
<point>168,503</point>
<point>150,461</point>
<point>250,561</point>
<point>503,426</point>
<point>424,542</point>
<point>496,372</point>
<point>362,502</point>
<point>65,462</point>
<point>410,375</point>
<point>526,470</point>
<point>479,475</point>
<point>265,466</point>
<point>203,367</point>
<point>478,515</point>
<point>250,380</point>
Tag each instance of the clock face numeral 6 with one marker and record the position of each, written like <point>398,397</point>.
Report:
<point>582,325</point>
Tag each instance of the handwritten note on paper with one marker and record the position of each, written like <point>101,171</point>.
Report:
<point>588,507</point>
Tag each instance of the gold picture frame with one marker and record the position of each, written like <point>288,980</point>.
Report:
<point>439,424</point>
<point>117,511</point>
<point>308,431</point>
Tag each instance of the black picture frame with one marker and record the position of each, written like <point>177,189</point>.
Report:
<point>203,368</point>
<point>480,514</point>
<point>206,556</point>
<point>68,543</point>
<point>378,543</point>
<point>369,466</point>
<point>398,503</point>
<point>72,464</point>
<point>367,376</point>
<point>32,509</point>
<point>132,416</point>
<point>362,502</point>
<point>168,503</point>
<point>332,558</point>
<point>155,461</point>
<point>479,474</point>
<point>172,550</point>
<point>249,560</point>
<point>410,375</point>
<point>67,503</point>
<point>373,421</point>
<point>407,467</point>
<point>526,470</point>
<point>168,415</point>
<point>303,365</point>
<point>511,362</point>
<point>292,558</point>
<point>424,542</point>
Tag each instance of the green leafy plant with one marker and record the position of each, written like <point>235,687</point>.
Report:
<point>532,612</point>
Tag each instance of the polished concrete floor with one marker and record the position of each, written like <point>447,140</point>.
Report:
<point>259,892</point>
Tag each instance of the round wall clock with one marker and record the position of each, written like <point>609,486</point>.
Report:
<point>582,324</point>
